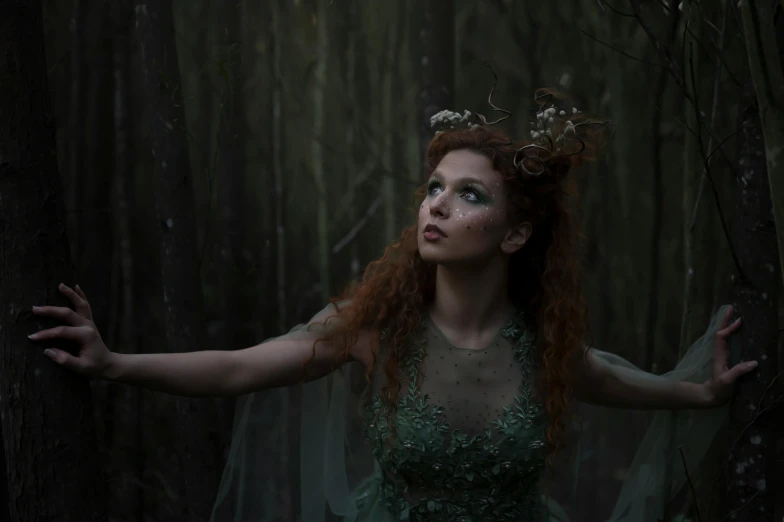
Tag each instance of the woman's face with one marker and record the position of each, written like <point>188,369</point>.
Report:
<point>466,200</point>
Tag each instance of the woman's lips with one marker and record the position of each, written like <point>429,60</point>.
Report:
<point>432,232</point>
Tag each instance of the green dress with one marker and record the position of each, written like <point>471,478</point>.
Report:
<point>471,432</point>
<point>470,439</point>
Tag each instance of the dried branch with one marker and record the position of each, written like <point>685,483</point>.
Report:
<point>507,113</point>
<point>614,10</point>
<point>691,485</point>
<point>358,226</point>
<point>679,79</point>
<point>707,173</point>
<point>597,40</point>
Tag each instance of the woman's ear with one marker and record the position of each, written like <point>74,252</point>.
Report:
<point>516,238</point>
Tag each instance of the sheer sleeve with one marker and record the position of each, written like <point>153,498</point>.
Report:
<point>657,470</point>
<point>248,489</point>
<point>338,474</point>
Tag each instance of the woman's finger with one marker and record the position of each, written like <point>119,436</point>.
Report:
<point>63,358</point>
<point>79,301</point>
<point>75,298</point>
<point>72,333</point>
<point>82,294</point>
<point>62,313</point>
<point>727,331</point>
<point>739,370</point>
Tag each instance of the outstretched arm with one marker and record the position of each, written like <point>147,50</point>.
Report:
<point>599,382</point>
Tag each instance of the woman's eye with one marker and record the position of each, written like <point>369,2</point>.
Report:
<point>475,197</point>
<point>472,191</point>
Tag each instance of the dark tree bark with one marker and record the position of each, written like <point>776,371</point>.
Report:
<point>4,513</point>
<point>76,127</point>
<point>46,412</point>
<point>128,461</point>
<point>437,64</point>
<point>231,186</point>
<point>94,221</point>
<point>752,428</point>
<point>233,254</point>
<point>94,268</point>
<point>195,475</point>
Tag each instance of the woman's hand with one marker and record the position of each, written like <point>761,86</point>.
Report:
<point>719,388</point>
<point>94,357</point>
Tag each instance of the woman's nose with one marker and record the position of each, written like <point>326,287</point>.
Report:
<point>438,206</point>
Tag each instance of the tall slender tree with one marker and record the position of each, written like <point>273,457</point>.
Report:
<point>232,265</point>
<point>436,65</point>
<point>752,427</point>
<point>317,146</point>
<point>765,48</point>
<point>76,124</point>
<point>194,475</point>
<point>46,413</point>
<point>128,462</point>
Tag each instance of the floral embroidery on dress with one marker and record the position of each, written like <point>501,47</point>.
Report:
<point>436,473</point>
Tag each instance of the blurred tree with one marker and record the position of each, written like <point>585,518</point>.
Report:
<point>194,475</point>
<point>765,46</point>
<point>126,437</point>
<point>317,147</point>
<point>97,263</point>
<point>46,412</point>
<point>436,65</point>
<point>4,486</point>
<point>77,130</point>
<point>233,254</point>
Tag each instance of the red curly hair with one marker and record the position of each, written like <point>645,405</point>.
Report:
<point>544,275</point>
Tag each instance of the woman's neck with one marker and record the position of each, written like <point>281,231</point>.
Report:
<point>472,300</point>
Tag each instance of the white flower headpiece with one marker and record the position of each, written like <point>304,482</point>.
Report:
<point>550,120</point>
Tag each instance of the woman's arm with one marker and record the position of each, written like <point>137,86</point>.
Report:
<point>273,363</point>
<point>597,381</point>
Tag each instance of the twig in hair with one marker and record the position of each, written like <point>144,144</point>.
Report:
<point>508,114</point>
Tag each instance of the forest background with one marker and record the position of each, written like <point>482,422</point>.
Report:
<point>223,167</point>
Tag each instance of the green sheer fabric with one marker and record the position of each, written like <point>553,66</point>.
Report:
<point>470,440</point>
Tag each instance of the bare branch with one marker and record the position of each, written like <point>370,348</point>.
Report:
<point>691,485</point>
<point>617,49</point>
<point>708,174</point>
<point>358,226</point>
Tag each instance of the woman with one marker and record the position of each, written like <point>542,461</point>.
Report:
<point>471,332</point>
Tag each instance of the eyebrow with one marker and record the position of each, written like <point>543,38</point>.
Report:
<point>436,174</point>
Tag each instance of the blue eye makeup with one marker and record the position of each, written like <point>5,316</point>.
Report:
<point>477,195</point>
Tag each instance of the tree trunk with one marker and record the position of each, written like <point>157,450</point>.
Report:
<point>437,65</point>
<point>96,266</point>
<point>352,15</point>
<point>767,72</point>
<point>127,433</point>
<point>94,219</point>
<point>391,205</point>
<point>76,128</point>
<point>317,152</point>
<point>46,412</point>
<point>233,267</point>
<point>5,514</point>
<point>752,429</point>
<point>277,168</point>
<point>195,475</point>
<point>231,179</point>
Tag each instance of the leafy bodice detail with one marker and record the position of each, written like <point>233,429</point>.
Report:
<point>434,472</point>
